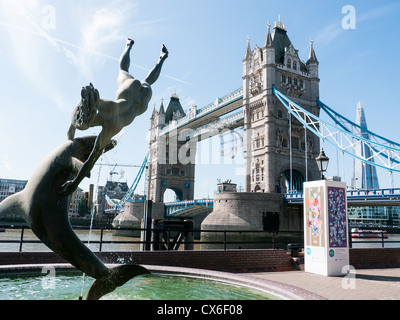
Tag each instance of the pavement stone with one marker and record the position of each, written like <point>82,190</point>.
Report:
<point>361,284</point>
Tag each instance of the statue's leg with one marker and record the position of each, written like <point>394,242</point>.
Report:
<point>125,60</point>
<point>154,74</point>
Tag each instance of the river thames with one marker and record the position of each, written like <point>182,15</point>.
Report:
<point>15,235</point>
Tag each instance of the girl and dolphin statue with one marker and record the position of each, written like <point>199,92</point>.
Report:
<point>44,203</point>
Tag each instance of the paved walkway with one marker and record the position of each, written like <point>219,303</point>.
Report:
<point>364,284</point>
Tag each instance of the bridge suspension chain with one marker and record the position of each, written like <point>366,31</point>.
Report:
<point>383,153</point>
<point>132,189</point>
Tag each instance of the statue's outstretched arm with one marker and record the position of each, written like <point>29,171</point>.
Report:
<point>86,168</point>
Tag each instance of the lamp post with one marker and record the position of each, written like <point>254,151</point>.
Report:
<point>322,163</point>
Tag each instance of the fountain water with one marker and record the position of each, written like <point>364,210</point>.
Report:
<point>92,214</point>
<point>163,284</point>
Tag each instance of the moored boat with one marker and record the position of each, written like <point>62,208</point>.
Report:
<point>369,234</point>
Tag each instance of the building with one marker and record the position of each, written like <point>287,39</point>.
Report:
<point>9,187</point>
<point>109,195</point>
<point>364,174</point>
<point>74,205</point>
<point>278,152</point>
<point>226,186</point>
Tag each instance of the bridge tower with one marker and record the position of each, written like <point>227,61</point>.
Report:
<point>279,153</point>
<point>171,158</point>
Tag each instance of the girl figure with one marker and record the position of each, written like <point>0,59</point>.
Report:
<point>132,100</point>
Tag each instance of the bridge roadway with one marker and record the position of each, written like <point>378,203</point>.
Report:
<point>379,197</point>
<point>207,121</point>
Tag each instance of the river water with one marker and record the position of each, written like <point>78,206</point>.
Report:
<point>15,235</point>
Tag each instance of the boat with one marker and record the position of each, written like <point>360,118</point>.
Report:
<point>369,234</point>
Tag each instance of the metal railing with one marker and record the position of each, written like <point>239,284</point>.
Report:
<point>379,239</point>
<point>222,238</point>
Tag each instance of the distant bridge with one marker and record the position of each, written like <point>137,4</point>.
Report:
<point>188,209</point>
<point>362,197</point>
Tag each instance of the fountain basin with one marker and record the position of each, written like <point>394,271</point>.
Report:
<point>27,282</point>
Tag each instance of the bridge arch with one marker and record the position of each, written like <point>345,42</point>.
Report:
<point>291,180</point>
<point>172,195</point>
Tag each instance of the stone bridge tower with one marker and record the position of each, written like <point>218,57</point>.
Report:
<point>171,158</point>
<point>276,147</point>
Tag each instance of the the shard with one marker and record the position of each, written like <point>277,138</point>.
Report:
<point>364,174</point>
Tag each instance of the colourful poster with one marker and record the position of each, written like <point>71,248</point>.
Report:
<point>314,217</point>
<point>337,218</point>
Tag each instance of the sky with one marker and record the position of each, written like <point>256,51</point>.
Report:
<point>50,49</point>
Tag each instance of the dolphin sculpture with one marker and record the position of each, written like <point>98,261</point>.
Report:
<point>46,213</point>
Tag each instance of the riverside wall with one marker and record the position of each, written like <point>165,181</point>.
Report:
<point>221,260</point>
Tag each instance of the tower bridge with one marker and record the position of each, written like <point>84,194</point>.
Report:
<point>279,109</point>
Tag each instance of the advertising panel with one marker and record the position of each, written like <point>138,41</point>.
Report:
<point>326,248</point>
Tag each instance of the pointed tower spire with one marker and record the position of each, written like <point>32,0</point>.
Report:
<point>279,24</point>
<point>312,57</point>
<point>268,40</point>
<point>365,175</point>
<point>154,112</point>
<point>248,50</point>
<point>162,107</point>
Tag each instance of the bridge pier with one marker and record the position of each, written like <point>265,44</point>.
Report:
<point>263,213</point>
<point>130,220</point>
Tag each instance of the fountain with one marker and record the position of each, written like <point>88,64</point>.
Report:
<point>155,286</point>
<point>45,200</point>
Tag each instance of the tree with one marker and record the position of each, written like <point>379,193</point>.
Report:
<point>82,207</point>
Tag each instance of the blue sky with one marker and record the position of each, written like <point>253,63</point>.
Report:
<point>50,49</point>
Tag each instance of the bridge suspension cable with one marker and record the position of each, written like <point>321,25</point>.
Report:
<point>383,153</point>
<point>132,189</point>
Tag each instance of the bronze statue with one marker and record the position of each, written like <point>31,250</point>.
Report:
<point>132,100</point>
<point>46,213</point>
<point>44,203</point>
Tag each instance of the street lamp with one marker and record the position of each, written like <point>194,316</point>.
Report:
<point>322,163</point>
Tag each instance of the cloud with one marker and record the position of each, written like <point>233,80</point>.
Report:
<point>332,31</point>
<point>95,28</point>
<point>378,12</point>
<point>32,58</point>
<point>328,34</point>
<point>106,26</point>
<point>99,28</point>
<point>6,163</point>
